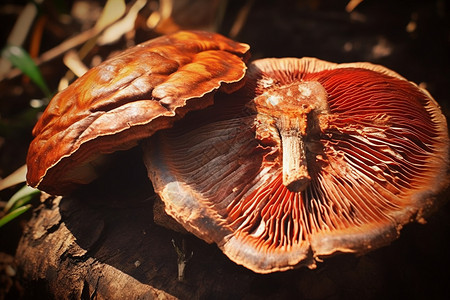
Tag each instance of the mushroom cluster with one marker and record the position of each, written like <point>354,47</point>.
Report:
<point>280,162</point>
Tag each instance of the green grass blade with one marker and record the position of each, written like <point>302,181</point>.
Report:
<point>20,198</point>
<point>14,214</point>
<point>20,59</point>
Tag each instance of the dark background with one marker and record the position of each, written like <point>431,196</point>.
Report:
<point>409,37</point>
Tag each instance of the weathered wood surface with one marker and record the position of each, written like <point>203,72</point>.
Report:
<point>102,243</point>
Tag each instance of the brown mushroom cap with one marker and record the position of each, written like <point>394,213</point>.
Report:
<point>127,98</point>
<point>309,159</point>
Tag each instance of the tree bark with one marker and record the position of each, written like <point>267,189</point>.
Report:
<point>103,243</point>
<point>51,257</point>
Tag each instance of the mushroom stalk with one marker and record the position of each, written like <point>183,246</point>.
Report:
<point>295,171</point>
<point>295,168</point>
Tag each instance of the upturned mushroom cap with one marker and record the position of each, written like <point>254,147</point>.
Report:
<point>310,158</point>
<point>126,99</point>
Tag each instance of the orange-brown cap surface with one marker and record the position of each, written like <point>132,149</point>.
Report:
<point>127,98</point>
<point>310,158</point>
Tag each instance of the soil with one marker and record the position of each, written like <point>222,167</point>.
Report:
<point>410,37</point>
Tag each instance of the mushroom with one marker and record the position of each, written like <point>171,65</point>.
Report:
<point>280,165</point>
<point>308,159</point>
<point>126,99</point>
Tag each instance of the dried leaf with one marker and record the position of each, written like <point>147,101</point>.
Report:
<point>15,178</point>
<point>113,11</point>
<point>113,33</point>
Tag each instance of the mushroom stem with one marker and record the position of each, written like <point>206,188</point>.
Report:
<point>295,169</point>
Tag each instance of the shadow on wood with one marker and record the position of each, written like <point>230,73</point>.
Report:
<point>102,243</point>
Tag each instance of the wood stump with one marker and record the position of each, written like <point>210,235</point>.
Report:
<point>103,243</point>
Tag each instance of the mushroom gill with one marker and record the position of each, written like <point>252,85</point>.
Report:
<point>310,158</point>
